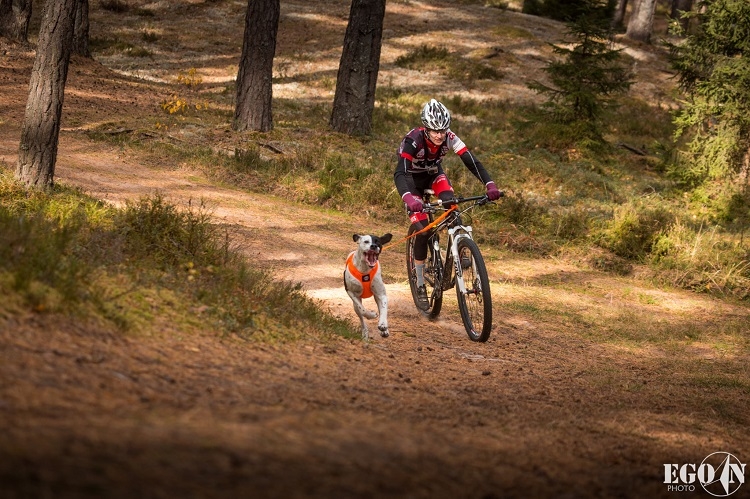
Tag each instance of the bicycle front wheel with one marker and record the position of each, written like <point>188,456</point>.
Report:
<point>433,276</point>
<point>476,303</point>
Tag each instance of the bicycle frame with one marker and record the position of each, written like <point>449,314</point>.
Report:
<point>463,266</point>
<point>456,233</point>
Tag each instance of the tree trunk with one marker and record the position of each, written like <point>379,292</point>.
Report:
<point>254,79</point>
<point>358,69</point>
<point>37,151</point>
<point>14,19</point>
<point>745,172</point>
<point>81,29</point>
<point>641,23</point>
<point>619,18</point>
<point>678,7</point>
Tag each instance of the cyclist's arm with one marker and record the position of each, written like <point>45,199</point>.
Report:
<point>475,166</point>
<point>402,177</point>
<point>470,161</point>
<point>407,151</point>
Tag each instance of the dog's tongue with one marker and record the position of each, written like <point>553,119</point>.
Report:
<point>372,258</point>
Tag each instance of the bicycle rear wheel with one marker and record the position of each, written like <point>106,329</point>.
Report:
<point>433,273</point>
<point>476,304</point>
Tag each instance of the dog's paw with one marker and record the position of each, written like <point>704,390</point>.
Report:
<point>370,314</point>
<point>383,331</point>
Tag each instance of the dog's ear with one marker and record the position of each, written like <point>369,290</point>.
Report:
<point>356,237</point>
<point>386,238</point>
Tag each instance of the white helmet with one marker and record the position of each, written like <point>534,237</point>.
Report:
<point>435,116</point>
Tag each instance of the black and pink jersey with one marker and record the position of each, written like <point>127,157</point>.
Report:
<point>419,156</point>
<point>423,154</point>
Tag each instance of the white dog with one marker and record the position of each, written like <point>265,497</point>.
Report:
<point>362,279</point>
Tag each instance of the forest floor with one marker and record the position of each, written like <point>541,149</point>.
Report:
<point>550,406</point>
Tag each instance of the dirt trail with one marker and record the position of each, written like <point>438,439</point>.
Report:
<point>546,408</point>
<point>424,413</point>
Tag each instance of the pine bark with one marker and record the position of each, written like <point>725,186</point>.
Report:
<point>619,17</point>
<point>357,78</point>
<point>81,29</point>
<point>641,23</point>
<point>37,151</point>
<point>253,110</point>
<point>14,19</point>
<point>745,172</point>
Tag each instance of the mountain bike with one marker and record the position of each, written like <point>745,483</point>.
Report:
<point>459,263</point>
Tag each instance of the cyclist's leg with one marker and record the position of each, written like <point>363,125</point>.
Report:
<point>419,255</point>
<point>444,190</point>
<point>442,187</point>
<point>419,221</point>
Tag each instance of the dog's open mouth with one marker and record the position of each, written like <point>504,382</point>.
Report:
<point>371,257</point>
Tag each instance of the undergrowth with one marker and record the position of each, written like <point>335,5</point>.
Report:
<point>142,267</point>
<point>438,58</point>
<point>617,195</point>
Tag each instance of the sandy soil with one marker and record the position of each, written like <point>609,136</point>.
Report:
<point>541,410</point>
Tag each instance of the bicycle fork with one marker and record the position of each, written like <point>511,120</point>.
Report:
<point>456,235</point>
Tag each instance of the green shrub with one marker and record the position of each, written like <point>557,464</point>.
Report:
<point>558,135</point>
<point>703,260</point>
<point>42,242</point>
<point>62,250</point>
<point>518,209</point>
<point>40,255</point>
<point>635,228</point>
<point>153,228</point>
<point>570,224</point>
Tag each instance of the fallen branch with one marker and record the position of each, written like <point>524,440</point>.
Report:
<point>632,149</point>
<point>273,148</point>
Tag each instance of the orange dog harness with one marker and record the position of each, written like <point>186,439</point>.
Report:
<point>365,279</point>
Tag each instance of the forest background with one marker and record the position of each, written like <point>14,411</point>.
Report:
<point>168,255</point>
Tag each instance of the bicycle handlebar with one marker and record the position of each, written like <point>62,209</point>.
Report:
<point>430,207</point>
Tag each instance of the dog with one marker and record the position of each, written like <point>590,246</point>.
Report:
<point>362,279</point>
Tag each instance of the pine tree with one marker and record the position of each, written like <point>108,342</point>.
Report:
<point>561,10</point>
<point>588,76</point>
<point>714,71</point>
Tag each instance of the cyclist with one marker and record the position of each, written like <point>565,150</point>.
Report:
<point>420,157</point>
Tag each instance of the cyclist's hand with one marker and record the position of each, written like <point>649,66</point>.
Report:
<point>413,203</point>
<point>493,194</point>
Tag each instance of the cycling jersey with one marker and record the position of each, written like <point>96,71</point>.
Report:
<point>418,156</point>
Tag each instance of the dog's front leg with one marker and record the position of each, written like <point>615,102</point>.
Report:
<point>382,300</point>
<point>361,313</point>
<point>361,310</point>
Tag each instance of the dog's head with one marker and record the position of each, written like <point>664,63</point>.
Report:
<point>370,246</point>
